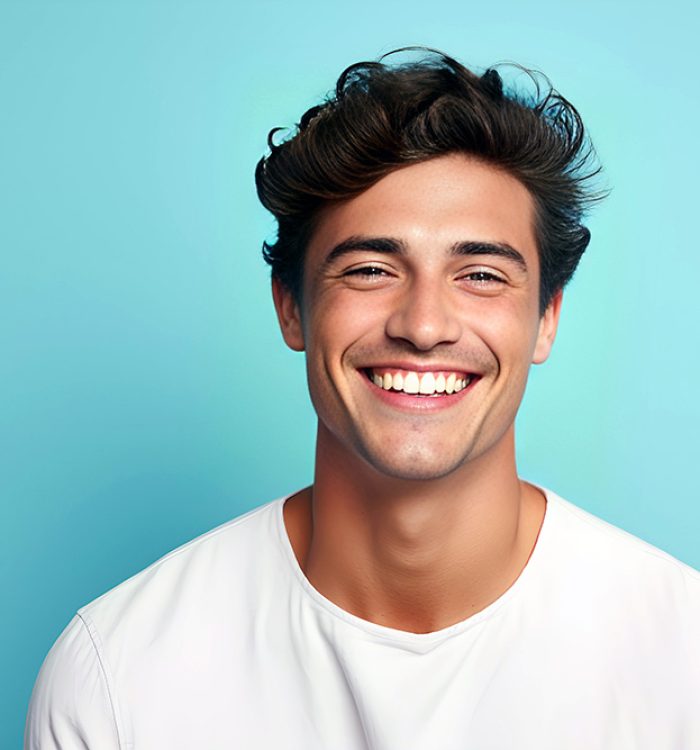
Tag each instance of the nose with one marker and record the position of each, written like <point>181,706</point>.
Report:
<point>425,316</point>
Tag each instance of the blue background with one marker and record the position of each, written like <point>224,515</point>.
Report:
<point>146,395</point>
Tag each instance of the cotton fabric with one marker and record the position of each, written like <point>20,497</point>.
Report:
<point>224,644</point>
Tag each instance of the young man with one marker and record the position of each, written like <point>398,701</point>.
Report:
<point>418,594</point>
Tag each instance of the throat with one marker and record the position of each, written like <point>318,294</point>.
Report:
<point>409,567</point>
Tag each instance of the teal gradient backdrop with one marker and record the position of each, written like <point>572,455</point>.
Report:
<point>146,393</point>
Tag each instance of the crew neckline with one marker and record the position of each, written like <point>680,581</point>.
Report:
<point>418,641</point>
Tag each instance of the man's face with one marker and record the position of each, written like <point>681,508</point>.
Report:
<point>420,316</point>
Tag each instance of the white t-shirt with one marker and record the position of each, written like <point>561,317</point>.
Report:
<point>224,645</point>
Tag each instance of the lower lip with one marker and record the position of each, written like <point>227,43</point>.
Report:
<point>409,402</point>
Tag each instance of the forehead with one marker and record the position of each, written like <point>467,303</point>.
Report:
<point>434,204</point>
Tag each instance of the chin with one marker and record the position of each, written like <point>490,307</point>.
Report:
<point>418,466</point>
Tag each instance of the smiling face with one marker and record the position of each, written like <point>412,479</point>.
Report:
<point>420,316</point>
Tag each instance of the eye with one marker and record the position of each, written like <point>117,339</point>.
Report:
<point>366,272</point>
<point>483,278</point>
<point>367,276</point>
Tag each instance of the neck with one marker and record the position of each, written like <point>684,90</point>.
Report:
<point>414,555</point>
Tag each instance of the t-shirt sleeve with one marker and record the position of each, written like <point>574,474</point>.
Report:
<point>71,706</point>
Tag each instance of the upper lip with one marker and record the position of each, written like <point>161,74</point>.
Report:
<point>422,367</point>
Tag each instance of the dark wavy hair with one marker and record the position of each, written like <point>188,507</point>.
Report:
<point>381,117</point>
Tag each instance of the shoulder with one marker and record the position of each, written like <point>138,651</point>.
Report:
<point>230,557</point>
<point>137,628</point>
<point>71,704</point>
<point>610,566</point>
<point>584,529</point>
<point>631,609</point>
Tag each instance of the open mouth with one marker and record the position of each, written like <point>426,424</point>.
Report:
<point>431,383</point>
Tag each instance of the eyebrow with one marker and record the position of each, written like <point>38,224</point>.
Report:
<point>392,246</point>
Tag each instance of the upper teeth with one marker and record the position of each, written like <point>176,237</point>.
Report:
<point>424,383</point>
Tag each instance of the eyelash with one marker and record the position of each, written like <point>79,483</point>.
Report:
<point>485,277</point>
<point>373,272</point>
<point>368,271</point>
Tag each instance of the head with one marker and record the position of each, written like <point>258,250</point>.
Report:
<point>382,117</point>
<point>427,225</point>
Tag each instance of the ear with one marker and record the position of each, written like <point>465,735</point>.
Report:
<point>288,315</point>
<point>548,329</point>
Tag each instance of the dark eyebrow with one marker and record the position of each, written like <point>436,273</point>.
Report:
<point>393,246</point>
<point>356,242</point>
<point>501,249</point>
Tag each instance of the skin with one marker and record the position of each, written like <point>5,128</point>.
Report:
<point>416,518</point>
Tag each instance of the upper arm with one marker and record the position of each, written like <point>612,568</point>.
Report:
<point>71,706</point>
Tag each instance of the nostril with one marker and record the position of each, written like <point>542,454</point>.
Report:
<point>423,326</point>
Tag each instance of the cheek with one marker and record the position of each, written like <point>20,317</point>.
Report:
<point>510,334</point>
<point>338,324</point>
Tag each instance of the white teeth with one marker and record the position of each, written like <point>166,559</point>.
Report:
<point>411,384</point>
<point>427,384</point>
<point>423,383</point>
